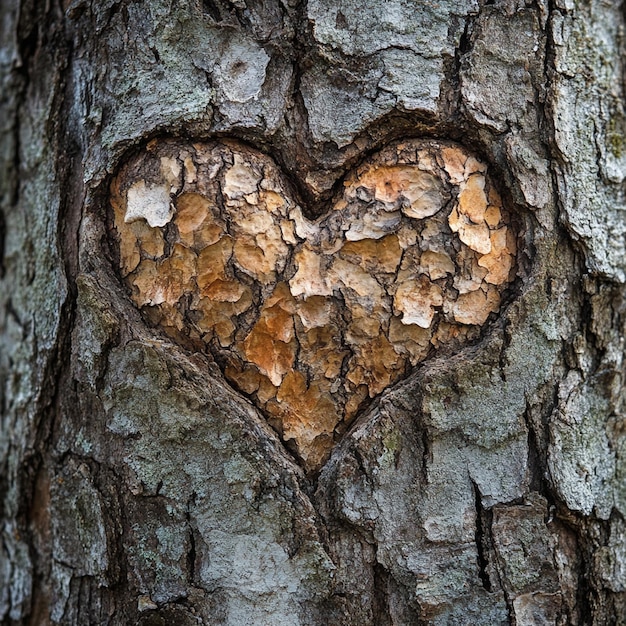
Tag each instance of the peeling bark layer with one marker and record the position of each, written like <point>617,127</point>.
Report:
<point>483,486</point>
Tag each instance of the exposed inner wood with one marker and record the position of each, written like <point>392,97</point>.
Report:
<point>312,319</point>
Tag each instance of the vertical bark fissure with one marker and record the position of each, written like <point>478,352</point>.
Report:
<point>31,39</point>
<point>3,231</point>
<point>191,554</point>
<point>380,608</point>
<point>482,539</point>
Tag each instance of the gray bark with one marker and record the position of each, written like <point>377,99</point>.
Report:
<point>488,487</point>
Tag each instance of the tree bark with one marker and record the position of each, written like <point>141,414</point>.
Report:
<point>139,486</point>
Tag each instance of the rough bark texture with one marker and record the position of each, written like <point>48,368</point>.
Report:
<point>484,485</point>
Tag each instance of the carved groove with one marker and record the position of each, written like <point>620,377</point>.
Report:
<point>312,319</point>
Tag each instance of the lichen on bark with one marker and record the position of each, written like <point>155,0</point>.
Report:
<point>483,486</point>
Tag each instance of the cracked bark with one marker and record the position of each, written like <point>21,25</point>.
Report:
<point>215,215</point>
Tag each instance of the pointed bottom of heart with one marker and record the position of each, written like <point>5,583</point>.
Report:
<point>306,418</point>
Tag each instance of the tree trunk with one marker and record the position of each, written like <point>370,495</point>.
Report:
<point>465,469</point>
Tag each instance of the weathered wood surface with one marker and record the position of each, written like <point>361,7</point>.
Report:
<point>138,486</point>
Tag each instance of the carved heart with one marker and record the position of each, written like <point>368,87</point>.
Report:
<point>312,318</point>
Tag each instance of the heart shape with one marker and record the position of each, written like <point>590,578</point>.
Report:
<point>311,319</point>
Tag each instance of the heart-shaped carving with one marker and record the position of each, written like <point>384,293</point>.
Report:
<point>311,319</point>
